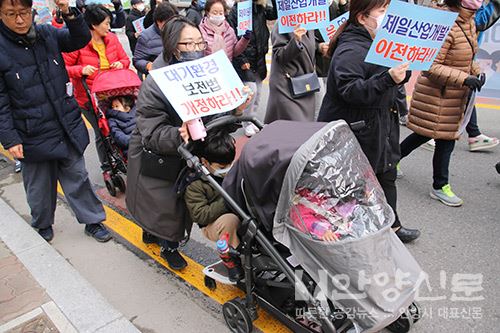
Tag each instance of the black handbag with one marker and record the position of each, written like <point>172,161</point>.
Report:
<point>166,167</point>
<point>303,85</point>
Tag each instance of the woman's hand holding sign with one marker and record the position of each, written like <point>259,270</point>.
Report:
<point>298,32</point>
<point>398,73</point>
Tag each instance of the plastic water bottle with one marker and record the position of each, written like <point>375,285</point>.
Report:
<point>223,249</point>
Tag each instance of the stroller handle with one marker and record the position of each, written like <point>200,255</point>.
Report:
<point>185,148</point>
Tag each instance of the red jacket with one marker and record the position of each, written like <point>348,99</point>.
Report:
<point>75,61</point>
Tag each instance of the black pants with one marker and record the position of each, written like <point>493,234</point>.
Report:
<point>472,128</point>
<point>440,160</point>
<point>387,181</point>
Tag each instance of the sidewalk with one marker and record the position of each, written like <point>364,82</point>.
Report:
<point>40,292</point>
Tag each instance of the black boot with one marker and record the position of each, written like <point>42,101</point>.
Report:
<point>173,258</point>
<point>407,235</point>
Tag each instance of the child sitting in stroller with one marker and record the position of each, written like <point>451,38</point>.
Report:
<point>121,119</point>
<point>205,205</point>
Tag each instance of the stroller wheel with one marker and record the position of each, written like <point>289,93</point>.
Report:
<point>119,183</point>
<point>403,324</point>
<point>210,283</point>
<point>110,187</point>
<point>237,317</point>
<point>415,312</point>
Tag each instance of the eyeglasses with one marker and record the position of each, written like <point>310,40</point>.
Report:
<point>191,46</point>
<point>13,15</point>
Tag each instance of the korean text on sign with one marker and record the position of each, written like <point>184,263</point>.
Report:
<point>201,87</point>
<point>244,17</point>
<point>139,25</point>
<point>310,14</point>
<point>410,33</point>
<point>328,32</point>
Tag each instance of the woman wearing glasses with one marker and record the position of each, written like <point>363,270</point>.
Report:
<point>153,201</point>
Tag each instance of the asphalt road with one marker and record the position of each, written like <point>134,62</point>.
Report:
<point>458,249</point>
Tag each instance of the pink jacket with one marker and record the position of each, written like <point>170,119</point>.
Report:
<point>234,47</point>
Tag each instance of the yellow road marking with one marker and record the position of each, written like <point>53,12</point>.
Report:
<point>192,274</point>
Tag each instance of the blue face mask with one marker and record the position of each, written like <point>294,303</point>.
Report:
<point>190,55</point>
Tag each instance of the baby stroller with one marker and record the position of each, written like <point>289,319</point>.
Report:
<point>106,86</point>
<point>288,273</point>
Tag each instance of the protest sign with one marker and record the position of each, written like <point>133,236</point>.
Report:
<point>98,2</point>
<point>44,16</point>
<point>328,32</point>
<point>139,25</point>
<point>244,17</point>
<point>39,4</point>
<point>201,87</point>
<point>488,58</point>
<point>410,33</point>
<point>310,14</point>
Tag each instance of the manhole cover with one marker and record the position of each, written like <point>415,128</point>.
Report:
<point>39,324</point>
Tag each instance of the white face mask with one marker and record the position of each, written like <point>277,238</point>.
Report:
<point>222,172</point>
<point>140,7</point>
<point>216,19</point>
<point>379,20</point>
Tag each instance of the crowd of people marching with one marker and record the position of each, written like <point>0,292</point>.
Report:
<point>42,96</point>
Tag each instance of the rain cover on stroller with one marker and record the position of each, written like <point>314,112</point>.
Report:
<point>330,192</point>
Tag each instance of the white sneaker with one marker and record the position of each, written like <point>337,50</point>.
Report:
<point>250,129</point>
<point>482,142</point>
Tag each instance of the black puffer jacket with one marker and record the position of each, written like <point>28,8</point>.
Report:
<point>35,110</point>
<point>359,91</point>
<point>129,27</point>
<point>255,53</point>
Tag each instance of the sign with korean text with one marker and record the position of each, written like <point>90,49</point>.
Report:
<point>139,25</point>
<point>43,16</point>
<point>310,14</point>
<point>244,17</point>
<point>328,32</point>
<point>201,87</point>
<point>39,4</point>
<point>410,33</point>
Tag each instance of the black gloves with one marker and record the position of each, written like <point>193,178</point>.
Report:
<point>247,35</point>
<point>475,83</point>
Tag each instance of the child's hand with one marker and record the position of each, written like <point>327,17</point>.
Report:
<point>329,236</point>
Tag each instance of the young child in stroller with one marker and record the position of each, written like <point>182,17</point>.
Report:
<point>206,206</point>
<point>121,120</point>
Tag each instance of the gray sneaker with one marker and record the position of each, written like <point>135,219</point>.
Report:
<point>446,196</point>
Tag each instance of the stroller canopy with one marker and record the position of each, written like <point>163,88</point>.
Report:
<point>117,82</point>
<point>263,163</point>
